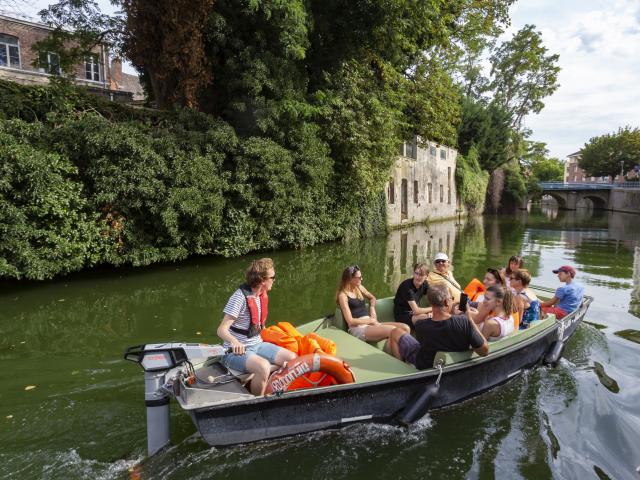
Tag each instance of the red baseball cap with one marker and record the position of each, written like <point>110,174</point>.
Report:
<point>566,269</point>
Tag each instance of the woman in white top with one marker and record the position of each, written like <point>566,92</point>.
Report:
<point>500,323</point>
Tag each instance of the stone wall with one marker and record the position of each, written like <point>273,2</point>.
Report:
<point>423,179</point>
<point>625,200</point>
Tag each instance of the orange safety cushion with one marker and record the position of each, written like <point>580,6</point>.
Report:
<point>276,336</point>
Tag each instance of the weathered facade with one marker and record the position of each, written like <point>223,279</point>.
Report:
<point>422,184</point>
<point>20,64</point>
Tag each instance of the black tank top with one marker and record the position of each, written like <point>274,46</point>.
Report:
<point>358,307</point>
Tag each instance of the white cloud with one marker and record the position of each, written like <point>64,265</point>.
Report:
<point>599,44</point>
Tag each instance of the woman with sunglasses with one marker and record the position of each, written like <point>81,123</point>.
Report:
<point>491,278</point>
<point>361,320</point>
<point>526,300</point>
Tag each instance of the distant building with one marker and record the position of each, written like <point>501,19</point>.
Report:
<point>574,174</point>
<point>422,183</point>
<point>17,36</point>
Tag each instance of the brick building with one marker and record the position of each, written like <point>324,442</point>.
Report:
<point>574,174</point>
<point>20,64</point>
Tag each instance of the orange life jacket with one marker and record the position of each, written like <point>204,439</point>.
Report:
<point>474,288</point>
<point>257,321</point>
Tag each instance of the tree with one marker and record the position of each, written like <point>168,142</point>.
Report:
<point>523,74</point>
<point>608,154</point>
<point>485,126</point>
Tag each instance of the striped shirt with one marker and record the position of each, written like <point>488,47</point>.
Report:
<point>237,307</point>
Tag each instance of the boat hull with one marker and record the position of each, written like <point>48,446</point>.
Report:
<point>323,408</point>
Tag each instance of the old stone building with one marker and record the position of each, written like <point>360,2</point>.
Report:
<point>20,64</point>
<point>422,183</point>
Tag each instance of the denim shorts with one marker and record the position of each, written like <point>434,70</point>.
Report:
<point>239,362</point>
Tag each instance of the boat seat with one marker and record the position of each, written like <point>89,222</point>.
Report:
<point>449,358</point>
<point>384,311</point>
<point>367,361</point>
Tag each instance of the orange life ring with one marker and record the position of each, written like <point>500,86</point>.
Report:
<point>283,380</point>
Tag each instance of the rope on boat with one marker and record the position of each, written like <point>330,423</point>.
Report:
<point>439,367</point>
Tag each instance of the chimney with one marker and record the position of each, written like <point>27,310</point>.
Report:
<point>116,74</point>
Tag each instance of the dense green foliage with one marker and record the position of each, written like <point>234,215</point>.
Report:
<point>608,154</point>
<point>471,181</point>
<point>89,182</point>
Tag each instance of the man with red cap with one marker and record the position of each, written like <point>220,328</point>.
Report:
<point>568,297</point>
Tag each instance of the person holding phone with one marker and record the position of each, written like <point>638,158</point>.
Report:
<point>445,332</point>
<point>362,321</point>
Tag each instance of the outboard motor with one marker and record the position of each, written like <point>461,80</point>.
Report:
<point>157,359</point>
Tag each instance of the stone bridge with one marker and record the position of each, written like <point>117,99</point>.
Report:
<point>623,197</point>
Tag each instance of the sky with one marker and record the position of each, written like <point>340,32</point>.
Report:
<point>599,46</point>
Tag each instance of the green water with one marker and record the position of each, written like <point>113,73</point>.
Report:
<point>85,418</point>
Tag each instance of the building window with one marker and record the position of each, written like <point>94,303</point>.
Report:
<point>449,195</point>
<point>49,63</point>
<point>433,151</point>
<point>449,177</point>
<point>9,51</point>
<point>411,148</point>
<point>415,191</point>
<point>92,68</point>
<point>441,193</point>
<point>392,192</point>
<point>430,192</point>
<point>443,154</point>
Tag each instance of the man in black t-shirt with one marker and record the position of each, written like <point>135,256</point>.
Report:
<point>408,295</point>
<point>442,333</point>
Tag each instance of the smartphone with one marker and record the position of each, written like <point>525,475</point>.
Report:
<point>464,298</point>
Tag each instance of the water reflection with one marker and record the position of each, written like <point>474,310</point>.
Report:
<point>406,247</point>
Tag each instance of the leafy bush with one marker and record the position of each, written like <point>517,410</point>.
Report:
<point>117,186</point>
<point>46,225</point>
<point>471,181</point>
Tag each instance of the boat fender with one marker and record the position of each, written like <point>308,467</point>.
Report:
<point>418,405</point>
<point>554,353</point>
<point>281,380</point>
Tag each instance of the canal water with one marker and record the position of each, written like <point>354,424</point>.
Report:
<point>71,407</point>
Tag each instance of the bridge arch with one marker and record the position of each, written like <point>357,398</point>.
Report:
<point>560,199</point>
<point>597,201</point>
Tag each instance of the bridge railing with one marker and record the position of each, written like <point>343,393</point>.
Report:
<point>587,186</point>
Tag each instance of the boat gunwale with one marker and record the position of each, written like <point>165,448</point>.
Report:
<point>401,379</point>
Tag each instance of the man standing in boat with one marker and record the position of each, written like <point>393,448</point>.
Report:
<point>442,275</point>
<point>408,295</point>
<point>442,333</point>
<point>245,315</point>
